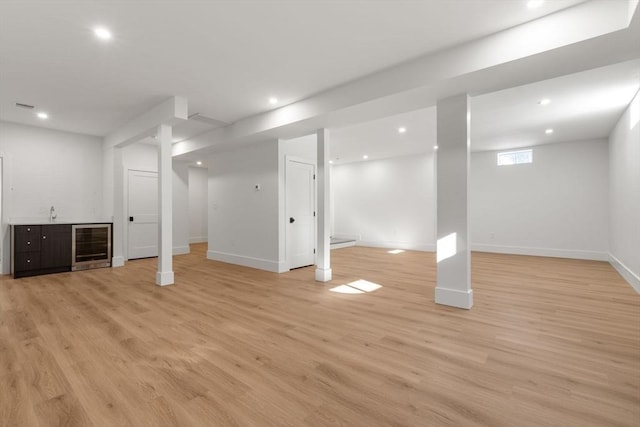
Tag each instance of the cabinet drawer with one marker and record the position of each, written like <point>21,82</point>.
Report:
<point>27,238</point>
<point>28,244</point>
<point>25,261</point>
<point>28,230</point>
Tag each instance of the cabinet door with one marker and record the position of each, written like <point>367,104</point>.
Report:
<point>27,238</point>
<point>26,261</point>
<point>55,246</point>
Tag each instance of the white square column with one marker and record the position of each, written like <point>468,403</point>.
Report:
<point>453,286</point>
<point>165,209</point>
<point>323,252</point>
<point>117,245</point>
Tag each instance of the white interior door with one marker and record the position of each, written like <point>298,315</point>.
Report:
<point>143,214</point>
<point>300,211</point>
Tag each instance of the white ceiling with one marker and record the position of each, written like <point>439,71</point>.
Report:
<point>380,138</point>
<point>225,57</point>
<point>583,106</point>
<point>228,57</point>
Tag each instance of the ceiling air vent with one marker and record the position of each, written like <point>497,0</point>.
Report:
<point>27,106</point>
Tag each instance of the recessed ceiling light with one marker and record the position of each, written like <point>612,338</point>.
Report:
<point>532,4</point>
<point>330,162</point>
<point>42,115</point>
<point>548,131</point>
<point>365,157</point>
<point>402,130</point>
<point>273,100</point>
<point>199,163</point>
<point>544,101</point>
<point>435,147</point>
<point>102,33</point>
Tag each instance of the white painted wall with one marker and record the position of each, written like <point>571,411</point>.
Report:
<point>44,168</point>
<point>624,194</point>
<point>386,203</point>
<point>303,148</point>
<point>140,156</point>
<point>198,196</point>
<point>51,168</point>
<point>556,206</point>
<point>243,223</point>
<point>180,208</point>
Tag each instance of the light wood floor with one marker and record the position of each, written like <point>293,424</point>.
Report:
<point>549,342</point>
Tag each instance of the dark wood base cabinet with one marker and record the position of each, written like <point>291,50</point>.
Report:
<point>40,249</point>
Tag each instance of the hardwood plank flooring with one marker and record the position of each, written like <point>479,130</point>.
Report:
<point>549,342</point>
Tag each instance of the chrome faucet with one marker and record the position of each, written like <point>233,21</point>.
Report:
<point>52,214</point>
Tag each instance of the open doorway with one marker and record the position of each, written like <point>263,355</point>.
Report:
<point>382,182</point>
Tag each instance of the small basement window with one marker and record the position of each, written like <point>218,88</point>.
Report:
<point>519,157</point>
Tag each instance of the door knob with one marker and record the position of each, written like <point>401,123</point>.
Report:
<point>292,220</point>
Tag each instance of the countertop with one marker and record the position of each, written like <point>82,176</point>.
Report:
<point>40,221</point>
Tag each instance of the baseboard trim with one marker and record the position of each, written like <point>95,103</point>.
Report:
<point>202,239</point>
<point>323,274</point>
<point>117,261</point>
<point>259,263</point>
<point>346,236</point>
<point>424,247</point>
<point>547,252</point>
<point>342,245</point>
<point>181,250</point>
<point>626,273</point>
<point>454,297</point>
<point>164,278</point>
<point>283,267</point>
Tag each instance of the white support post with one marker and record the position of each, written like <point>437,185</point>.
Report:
<point>453,285</point>
<point>323,253</point>
<point>165,232</point>
<point>117,245</point>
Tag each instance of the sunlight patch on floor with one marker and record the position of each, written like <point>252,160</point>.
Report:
<point>356,287</point>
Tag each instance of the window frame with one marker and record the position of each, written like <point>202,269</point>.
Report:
<point>515,159</point>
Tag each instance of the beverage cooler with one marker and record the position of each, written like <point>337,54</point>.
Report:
<point>91,246</point>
